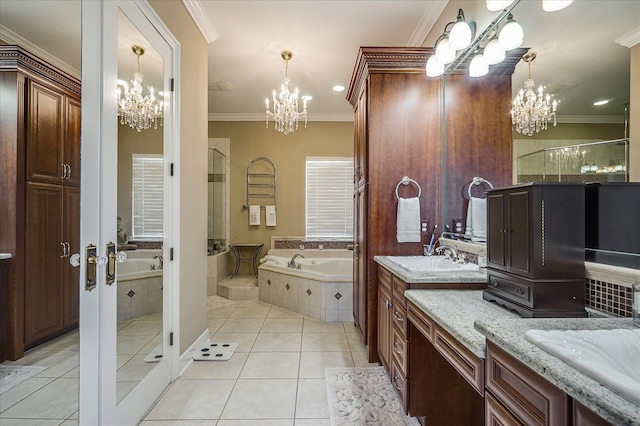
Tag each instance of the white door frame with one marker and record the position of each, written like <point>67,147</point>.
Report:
<point>97,398</point>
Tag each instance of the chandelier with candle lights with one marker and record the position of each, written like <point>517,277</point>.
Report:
<point>531,112</point>
<point>139,111</point>
<point>285,112</point>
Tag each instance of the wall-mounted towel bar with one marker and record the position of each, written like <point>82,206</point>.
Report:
<point>478,181</point>
<point>406,181</point>
<point>262,185</point>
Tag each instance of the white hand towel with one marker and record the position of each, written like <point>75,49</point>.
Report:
<point>254,215</point>
<point>476,229</point>
<point>270,215</point>
<point>408,220</point>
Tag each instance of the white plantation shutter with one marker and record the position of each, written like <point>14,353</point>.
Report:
<point>329,199</point>
<point>147,196</point>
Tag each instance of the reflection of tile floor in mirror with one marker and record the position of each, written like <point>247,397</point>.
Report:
<point>275,377</point>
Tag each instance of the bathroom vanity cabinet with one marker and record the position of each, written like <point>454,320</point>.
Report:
<point>535,249</point>
<point>40,183</point>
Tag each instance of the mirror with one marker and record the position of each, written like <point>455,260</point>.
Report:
<point>217,190</point>
<point>140,221</point>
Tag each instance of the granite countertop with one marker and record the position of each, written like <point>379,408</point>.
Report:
<point>433,277</point>
<point>456,310</point>
<point>509,335</point>
<point>5,256</point>
<point>472,320</point>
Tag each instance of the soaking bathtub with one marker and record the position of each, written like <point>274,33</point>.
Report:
<point>139,281</point>
<point>322,288</point>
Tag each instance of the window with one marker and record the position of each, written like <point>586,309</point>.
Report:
<point>147,196</point>
<point>329,199</point>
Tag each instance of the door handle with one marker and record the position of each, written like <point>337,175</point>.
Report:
<point>113,257</point>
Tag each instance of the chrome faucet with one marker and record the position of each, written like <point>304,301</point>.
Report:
<point>159,257</point>
<point>451,253</point>
<point>292,263</point>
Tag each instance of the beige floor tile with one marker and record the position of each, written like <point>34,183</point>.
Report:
<point>312,422</point>
<point>229,369</point>
<point>262,399</point>
<point>350,327</point>
<point>255,422</point>
<point>280,313</point>
<point>282,325</point>
<point>214,324</point>
<point>316,326</point>
<point>132,344</point>
<point>192,399</point>
<point>141,327</point>
<point>58,363</point>
<point>355,342</point>
<point>257,312</point>
<point>254,304</point>
<point>134,370</point>
<point>30,422</point>
<point>360,360</point>
<point>56,400</point>
<point>241,325</point>
<point>312,364</point>
<point>179,423</point>
<point>271,365</point>
<point>311,402</point>
<point>325,342</point>
<point>245,341</point>
<point>23,390</point>
<point>221,312</point>
<point>278,342</point>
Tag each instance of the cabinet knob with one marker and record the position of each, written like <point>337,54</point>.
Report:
<point>75,260</point>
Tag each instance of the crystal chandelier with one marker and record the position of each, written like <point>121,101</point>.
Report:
<point>531,112</point>
<point>134,109</point>
<point>285,105</point>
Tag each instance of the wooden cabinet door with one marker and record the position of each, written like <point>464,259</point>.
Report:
<point>360,139</point>
<point>72,142</point>
<point>496,231</point>
<point>385,305</point>
<point>360,254</point>
<point>45,134</point>
<point>43,263</point>
<point>71,275</point>
<point>519,232</point>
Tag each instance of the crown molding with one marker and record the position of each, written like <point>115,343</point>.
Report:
<point>590,119</point>
<point>12,38</point>
<point>200,17</point>
<point>261,117</point>
<point>429,18</point>
<point>630,39</point>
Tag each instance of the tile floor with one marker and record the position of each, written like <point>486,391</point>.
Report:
<point>275,377</point>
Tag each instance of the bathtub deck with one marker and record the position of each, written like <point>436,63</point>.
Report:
<point>240,287</point>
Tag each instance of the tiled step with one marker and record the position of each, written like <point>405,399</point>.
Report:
<point>240,287</point>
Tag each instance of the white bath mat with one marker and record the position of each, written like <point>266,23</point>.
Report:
<point>215,351</point>
<point>13,375</point>
<point>155,355</point>
<point>363,396</point>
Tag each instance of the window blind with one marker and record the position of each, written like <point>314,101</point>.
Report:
<point>147,196</point>
<point>329,197</point>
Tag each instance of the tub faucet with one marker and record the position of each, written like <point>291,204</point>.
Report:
<point>451,252</point>
<point>159,257</point>
<point>292,263</point>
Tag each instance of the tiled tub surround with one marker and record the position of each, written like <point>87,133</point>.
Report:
<point>139,286</point>
<point>472,320</point>
<point>301,243</point>
<point>324,296</point>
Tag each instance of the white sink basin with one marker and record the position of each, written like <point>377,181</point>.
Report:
<point>419,264</point>
<point>611,357</point>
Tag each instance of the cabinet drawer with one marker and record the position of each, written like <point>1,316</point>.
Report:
<point>399,350</point>
<point>399,318</point>
<point>496,414</point>
<point>530,398</point>
<point>399,287</point>
<point>519,292</point>
<point>384,277</point>
<point>582,416</point>
<point>422,322</point>
<point>399,383</point>
<point>470,367</point>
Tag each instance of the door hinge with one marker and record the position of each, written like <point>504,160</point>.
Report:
<point>171,169</point>
<point>171,253</point>
<point>171,338</point>
<point>172,85</point>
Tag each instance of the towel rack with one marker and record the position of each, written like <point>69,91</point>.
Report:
<point>406,181</point>
<point>478,181</point>
<point>265,183</point>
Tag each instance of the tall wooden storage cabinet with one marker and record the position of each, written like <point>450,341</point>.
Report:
<point>40,211</point>
<point>398,115</point>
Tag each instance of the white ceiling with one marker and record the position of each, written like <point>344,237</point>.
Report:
<point>576,47</point>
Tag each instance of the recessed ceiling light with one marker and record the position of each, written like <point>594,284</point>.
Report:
<point>338,88</point>
<point>603,102</point>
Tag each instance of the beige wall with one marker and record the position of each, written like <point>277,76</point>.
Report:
<point>130,142</point>
<point>250,140</point>
<point>634,115</point>
<point>192,169</point>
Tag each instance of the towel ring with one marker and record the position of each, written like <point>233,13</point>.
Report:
<point>477,181</point>
<point>405,181</point>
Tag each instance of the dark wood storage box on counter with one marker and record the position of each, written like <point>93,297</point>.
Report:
<point>612,233</point>
<point>535,249</point>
